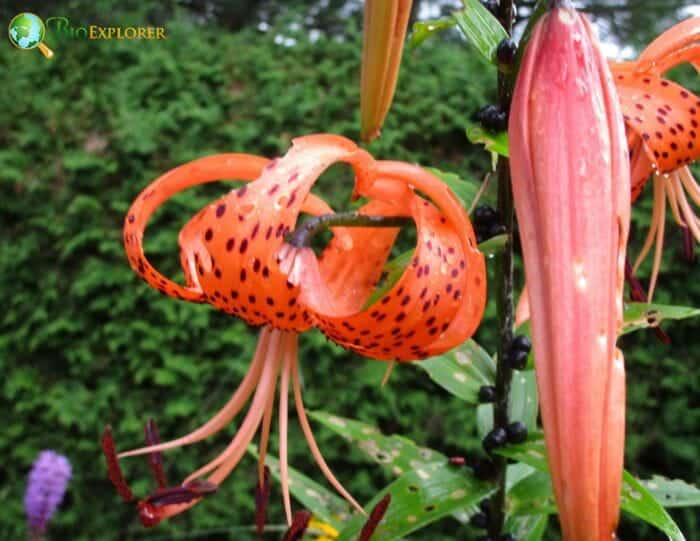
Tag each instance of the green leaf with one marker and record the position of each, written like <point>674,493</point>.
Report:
<point>497,143</point>
<point>323,503</point>
<point>527,528</point>
<point>638,501</point>
<point>462,371</point>
<point>480,27</point>
<point>641,315</point>
<point>673,492</point>
<point>421,497</point>
<point>636,498</point>
<point>493,246</point>
<point>523,405</point>
<point>532,495</point>
<point>466,190</point>
<point>392,272</point>
<point>422,30</point>
<point>395,453</point>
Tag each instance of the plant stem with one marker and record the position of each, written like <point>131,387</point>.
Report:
<point>504,292</point>
<point>311,227</point>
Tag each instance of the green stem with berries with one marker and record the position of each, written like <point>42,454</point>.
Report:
<point>504,292</point>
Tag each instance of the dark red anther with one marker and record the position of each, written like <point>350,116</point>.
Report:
<point>375,516</point>
<point>637,292</point>
<point>262,496</point>
<point>300,521</point>
<point>149,514</point>
<point>113,469</point>
<point>201,487</point>
<point>181,494</point>
<point>155,460</point>
<point>458,460</point>
<point>688,245</point>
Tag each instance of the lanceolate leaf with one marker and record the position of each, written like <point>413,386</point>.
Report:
<point>639,315</point>
<point>523,404</point>
<point>422,30</point>
<point>673,492</point>
<point>636,498</point>
<point>638,501</point>
<point>494,142</point>
<point>462,371</point>
<point>323,503</point>
<point>396,453</point>
<point>527,528</point>
<point>421,497</point>
<point>480,27</point>
<point>465,189</point>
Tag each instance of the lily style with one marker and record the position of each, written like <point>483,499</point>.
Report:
<point>245,255</point>
<point>571,187</point>
<point>662,120</point>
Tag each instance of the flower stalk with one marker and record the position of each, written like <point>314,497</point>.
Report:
<point>504,295</point>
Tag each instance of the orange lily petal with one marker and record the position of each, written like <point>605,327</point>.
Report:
<point>676,45</point>
<point>664,114</point>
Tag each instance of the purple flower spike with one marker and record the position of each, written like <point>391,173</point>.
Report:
<point>45,489</point>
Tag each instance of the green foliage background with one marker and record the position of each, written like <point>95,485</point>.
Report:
<point>83,343</point>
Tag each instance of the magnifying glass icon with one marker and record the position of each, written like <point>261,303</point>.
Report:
<point>27,31</point>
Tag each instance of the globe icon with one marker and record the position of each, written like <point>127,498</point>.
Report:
<point>27,31</point>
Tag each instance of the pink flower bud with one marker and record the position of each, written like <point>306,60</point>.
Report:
<point>571,184</point>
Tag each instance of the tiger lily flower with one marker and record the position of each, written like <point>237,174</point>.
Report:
<point>385,24</point>
<point>236,256</point>
<point>570,176</point>
<point>662,128</point>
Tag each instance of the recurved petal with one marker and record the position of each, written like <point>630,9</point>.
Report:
<point>676,45</point>
<point>664,115</point>
<point>233,243</point>
<point>404,323</point>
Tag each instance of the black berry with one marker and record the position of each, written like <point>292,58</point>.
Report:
<point>494,439</point>
<point>485,506</point>
<point>506,51</point>
<point>522,343</point>
<point>485,469</point>
<point>487,393</point>
<point>517,432</point>
<point>517,359</point>
<point>480,520</point>
<point>491,5</point>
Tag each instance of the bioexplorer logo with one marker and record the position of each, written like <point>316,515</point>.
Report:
<point>27,31</point>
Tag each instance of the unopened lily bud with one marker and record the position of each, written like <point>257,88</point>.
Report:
<point>385,23</point>
<point>571,186</point>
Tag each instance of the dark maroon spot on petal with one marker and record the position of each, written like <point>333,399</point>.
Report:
<point>208,235</point>
<point>132,218</point>
<point>243,275</point>
<point>244,246</point>
<point>241,191</point>
<point>217,273</point>
<point>230,244</point>
<point>220,210</point>
<point>256,265</point>
<point>255,231</point>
